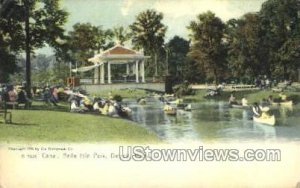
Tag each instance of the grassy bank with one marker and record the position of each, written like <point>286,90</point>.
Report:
<point>125,93</point>
<point>252,96</point>
<point>58,126</point>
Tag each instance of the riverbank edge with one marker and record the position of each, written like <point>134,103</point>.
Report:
<point>42,126</point>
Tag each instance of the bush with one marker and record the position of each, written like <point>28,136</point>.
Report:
<point>182,89</point>
<point>117,98</point>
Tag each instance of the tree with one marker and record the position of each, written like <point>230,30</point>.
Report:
<point>121,34</point>
<point>85,40</point>
<point>208,48</point>
<point>148,33</point>
<point>177,49</point>
<point>281,26</point>
<point>244,42</point>
<point>11,39</point>
<point>40,22</point>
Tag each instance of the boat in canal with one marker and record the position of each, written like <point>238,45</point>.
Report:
<point>169,110</point>
<point>239,106</point>
<point>268,120</point>
<point>285,103</point>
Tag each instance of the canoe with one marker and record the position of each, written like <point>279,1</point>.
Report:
<point>171,112</point>
<point>286,103</point>
<point>239,106</point>
<point>142,102</point>
<point>270,120</point>
<point>188,107</point>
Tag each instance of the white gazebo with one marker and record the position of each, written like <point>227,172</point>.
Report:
<point>135,64</point>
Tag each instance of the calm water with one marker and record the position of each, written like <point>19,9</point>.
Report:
<point>214,121</point>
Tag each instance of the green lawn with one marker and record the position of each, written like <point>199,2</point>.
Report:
<point>58,126</point>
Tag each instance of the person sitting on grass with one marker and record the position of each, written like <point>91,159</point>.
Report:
<point>54,94</point>
<point>48,97</point>
<point>87,103</point>
<point>23,98</point>
<point>74,106</point>
<point>12,94</point>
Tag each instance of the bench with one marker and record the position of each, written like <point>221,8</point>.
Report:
<point>7,116</point>
<point>15,105</point>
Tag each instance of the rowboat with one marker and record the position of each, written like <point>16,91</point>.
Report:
<point>188,107</point>
<point>141,101</point>
<point>239,106</point>
<point>286,103</point>
<point>170,110</point>
<point>269,120</point>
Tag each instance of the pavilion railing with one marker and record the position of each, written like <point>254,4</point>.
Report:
<point>90,81</point>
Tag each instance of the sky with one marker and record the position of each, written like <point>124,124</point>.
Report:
<point>177,13</point>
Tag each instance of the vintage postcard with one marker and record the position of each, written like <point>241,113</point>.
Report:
<point>149,93</point>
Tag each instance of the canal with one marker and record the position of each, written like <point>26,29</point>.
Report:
<point>215,122</point>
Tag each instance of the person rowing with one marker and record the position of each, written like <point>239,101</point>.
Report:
<point>283,97</point>
<point>244,101</point>
<point>256,110</point>
<point>232,100</point>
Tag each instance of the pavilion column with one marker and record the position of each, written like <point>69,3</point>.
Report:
<point>142,71</point>
<point>127,69</point>
<point>108,73</point>
<point>96,75</point>
<point>137,71</point>
<point>102,81</point>
<point>133,68</point>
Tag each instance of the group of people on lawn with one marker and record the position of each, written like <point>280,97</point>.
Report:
<point>14,95</point>
<point>110,107</point>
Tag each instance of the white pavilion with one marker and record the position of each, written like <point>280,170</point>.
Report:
<point>117,55</point>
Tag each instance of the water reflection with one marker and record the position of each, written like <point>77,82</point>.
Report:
<point>214,121</point>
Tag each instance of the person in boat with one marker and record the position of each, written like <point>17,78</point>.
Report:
<point>264,102</point>
<point>283,97</point>
<point>232,100</point>
<point>270,100</point>
<point>141,101</point>
<point>244,101</point>
<point>265,112</point>
<point>256,110</point>
<point>212,92</point>
<point>168,107</point>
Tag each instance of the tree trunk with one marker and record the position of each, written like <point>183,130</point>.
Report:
<point>285,75</point>
<point>155,60</point>
<point>27,50</point>
<point>216,76</point>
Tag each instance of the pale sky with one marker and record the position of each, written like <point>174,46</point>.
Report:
<point>177,13</point>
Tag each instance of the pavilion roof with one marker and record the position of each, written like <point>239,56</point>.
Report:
<point>119,50</point>
<point>118,53</point>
